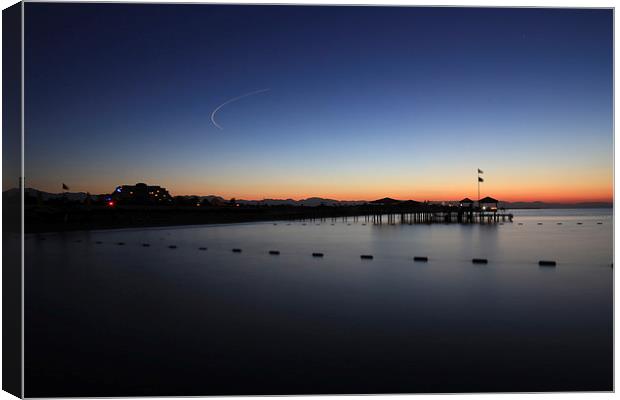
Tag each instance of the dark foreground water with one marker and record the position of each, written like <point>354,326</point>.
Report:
<point>104,319</point>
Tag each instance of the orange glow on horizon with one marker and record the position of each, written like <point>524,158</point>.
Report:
<point>567,197</point>
<point>530,192</point>
<point>510,185</point>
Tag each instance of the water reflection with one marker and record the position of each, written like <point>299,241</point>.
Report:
<point>134,320</point>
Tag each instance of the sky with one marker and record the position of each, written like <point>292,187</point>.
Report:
<point>362,102</point>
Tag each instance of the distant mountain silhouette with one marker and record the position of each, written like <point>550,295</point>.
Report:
<point>212,198</point>
<point>309,202</point>
<point>317,201</point>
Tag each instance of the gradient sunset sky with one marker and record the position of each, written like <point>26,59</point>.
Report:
<point>363,102</point>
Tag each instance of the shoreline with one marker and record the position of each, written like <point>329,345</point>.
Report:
<point>45,219</point>
<point>104,219</point>
<point>40,219</point>
<point>95,228</point>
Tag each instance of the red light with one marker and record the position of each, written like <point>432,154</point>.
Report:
<point>111,203</point>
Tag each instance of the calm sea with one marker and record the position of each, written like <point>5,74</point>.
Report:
<point>107,319</point>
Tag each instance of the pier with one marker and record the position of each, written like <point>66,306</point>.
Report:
<point>383,211</point>
<point>411,212</point>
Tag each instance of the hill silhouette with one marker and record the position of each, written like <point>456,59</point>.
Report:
<point>309,202</point>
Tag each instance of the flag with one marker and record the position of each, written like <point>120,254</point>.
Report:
<point>480,179</point>
<point>65,187</point>
<point>480,171</point>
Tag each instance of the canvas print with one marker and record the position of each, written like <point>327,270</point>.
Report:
<point>286,199</point>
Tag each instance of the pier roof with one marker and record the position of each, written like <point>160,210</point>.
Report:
<point>385,200</point>
<point>488,200</point>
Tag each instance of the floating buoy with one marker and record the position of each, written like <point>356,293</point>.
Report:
<point>546,263</point>
<point>146,245</point>
<point>363,224</point>
<point>317,254</point>
<point>121,243</point>
<point>236,250</point>
<point>599,223</point>
<point>274,252</point>
<point>348,224</point>
<point>332,224</point>
<point>98,242</point>
<point>479,260</point>
<point>366,257</point>
<point>559,223</point>
<point>275,224</point>
<point>420,259</point>
<point>579,223</point>
<point>540,223</point>
<point>520,223</point>
<point>172,246</point>
<point>304,224</point>
<point>202,248</point>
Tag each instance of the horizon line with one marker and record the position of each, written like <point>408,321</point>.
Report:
<point>302,198</point>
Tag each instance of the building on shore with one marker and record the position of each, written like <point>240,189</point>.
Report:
<point>140,194</point>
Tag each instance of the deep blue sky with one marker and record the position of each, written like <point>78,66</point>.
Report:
<point>364,101</point>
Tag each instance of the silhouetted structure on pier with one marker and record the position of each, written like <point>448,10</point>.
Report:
<point>488,203</point>
<point>413,212</point>
<point>466,202</point>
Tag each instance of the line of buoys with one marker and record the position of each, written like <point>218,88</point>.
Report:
<point>547,263</point>
<point>542,263</point>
